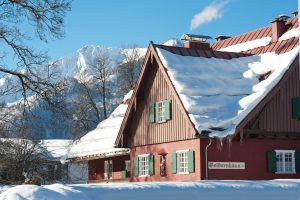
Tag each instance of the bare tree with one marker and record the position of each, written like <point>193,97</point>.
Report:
<point>22,160</point>
<point>86,87</point>
<point>128,69</point>
<point>101,73</point>
<point>46,18</point>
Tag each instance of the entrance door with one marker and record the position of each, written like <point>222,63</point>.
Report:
<point>108,169</point>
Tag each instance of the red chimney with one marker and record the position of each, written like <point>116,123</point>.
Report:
<point>278,27</point>
<point>195,41</point>
<point>196,45</point>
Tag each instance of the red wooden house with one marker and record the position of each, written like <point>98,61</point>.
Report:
<point>227,110</point>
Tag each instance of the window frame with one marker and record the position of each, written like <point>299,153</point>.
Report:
<point>127,168</point>
<point>186,163</point>
<point>284,152</point>
<point>162,112</point>
<point>140,166</point>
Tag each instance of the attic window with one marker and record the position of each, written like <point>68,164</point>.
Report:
<point>160,111</point>
<point>264,76</point>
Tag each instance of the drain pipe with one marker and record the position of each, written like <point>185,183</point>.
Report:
<point>206,157</point>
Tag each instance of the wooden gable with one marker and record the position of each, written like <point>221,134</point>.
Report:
<point>154,85</point>
<point>272,117</point>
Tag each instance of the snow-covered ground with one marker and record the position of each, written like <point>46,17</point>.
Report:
<point>212,190</point>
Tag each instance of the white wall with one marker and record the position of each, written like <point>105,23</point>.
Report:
<point>78,172</point>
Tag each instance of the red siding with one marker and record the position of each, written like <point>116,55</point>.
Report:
<point>142,132</point>
<point>96,168</point>
<point>276,115</point>
<point>251,151</point>
<point>168,148</point>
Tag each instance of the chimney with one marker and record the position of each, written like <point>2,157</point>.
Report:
<point>295,13</point>
<point>278,27</point>
<point>196,41</point>
<point>222,37</point>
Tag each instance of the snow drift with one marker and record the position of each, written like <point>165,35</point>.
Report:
<point>212,190</point>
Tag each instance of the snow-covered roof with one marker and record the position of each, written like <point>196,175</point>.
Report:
<point>219,93</point>
<point>99,142</point>
<point>56,148</point>
<point>53,149</point>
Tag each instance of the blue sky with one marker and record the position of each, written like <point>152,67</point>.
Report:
<point>119,23</point>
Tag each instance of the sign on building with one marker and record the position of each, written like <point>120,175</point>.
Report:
<point>226,165</point>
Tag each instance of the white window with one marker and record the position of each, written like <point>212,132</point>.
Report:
<point>285,161</point>
<point>108,169</point>
<point>160,111</point>
<point>144,165</point>
<point>182,161</point>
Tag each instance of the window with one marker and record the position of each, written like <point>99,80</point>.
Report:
<point>285,161</point>
<point>182,161</point>
<point>160,111</point>
<point>127,168</point>
<point>143,165</point>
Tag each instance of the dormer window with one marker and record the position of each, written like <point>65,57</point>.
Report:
<point>160,111</point>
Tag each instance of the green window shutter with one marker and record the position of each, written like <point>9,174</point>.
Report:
<point>152,113</point>
<point>191,161</point>
<point>151,165</point>
<point>296,108</point>
<point>123,170</point>
<point>167,104</point>
<point>136,166</point>
<point>297,161</point>
<point>174,163</point>
<point>271,161</point>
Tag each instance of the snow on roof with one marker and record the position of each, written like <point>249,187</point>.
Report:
<point>261,42</point>
<point>57,148</point>
<point>173,42</point>
<point>54,149</point>
<point>101,140</point>
<point>127,96</point>
<point>219,93</point>
<point>248,45</point>
<point>289,34</point>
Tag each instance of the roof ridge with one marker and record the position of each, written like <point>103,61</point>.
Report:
<point>182,51</point>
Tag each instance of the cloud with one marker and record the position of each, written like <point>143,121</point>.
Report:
<point>209,13</point>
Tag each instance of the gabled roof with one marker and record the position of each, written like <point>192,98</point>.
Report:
<point>218,89</point>
<point>218,93</point>
<point>99,143</point>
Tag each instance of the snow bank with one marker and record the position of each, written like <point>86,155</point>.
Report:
<point>3,188</point>
<point>248,45</point>
<point>212,190</point>
<point>219,93</point>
